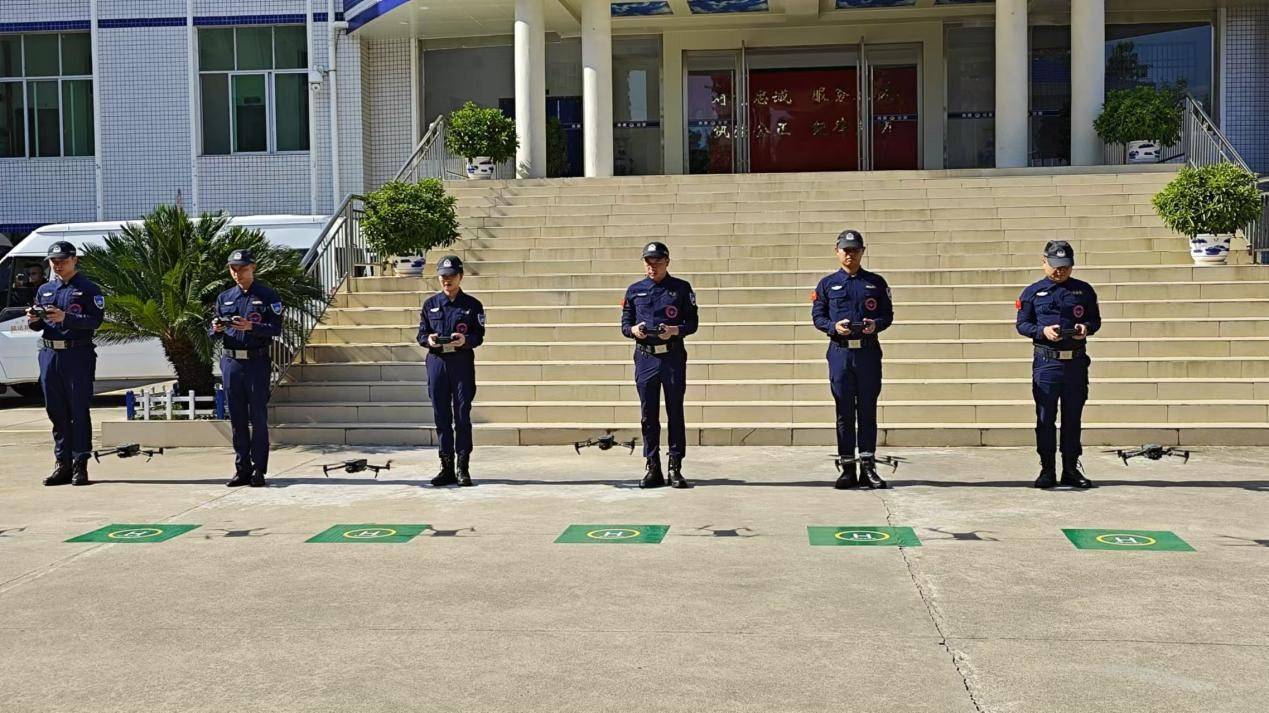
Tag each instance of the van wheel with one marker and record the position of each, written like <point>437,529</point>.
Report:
<point>28,391</point>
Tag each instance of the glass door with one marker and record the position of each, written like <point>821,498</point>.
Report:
<point>712,93</point>
<point>803,109</point>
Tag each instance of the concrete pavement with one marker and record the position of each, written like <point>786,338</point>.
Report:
<point>733,611</point>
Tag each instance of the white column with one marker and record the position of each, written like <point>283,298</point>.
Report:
<point>597,87</point>
<point>1012,83</point>
<point>530,71</point>
<point>1088,79</point>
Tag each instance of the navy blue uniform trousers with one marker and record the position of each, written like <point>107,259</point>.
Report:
<point>66,378</point>
<point>1059,387</point>
<point>855,378</point>
<point>451,385</point>
<point>247,395</point>
<point>654,374</point>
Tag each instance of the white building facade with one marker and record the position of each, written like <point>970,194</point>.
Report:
<point>110,107</point>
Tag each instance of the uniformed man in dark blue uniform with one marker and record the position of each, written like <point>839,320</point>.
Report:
<point>452,326</point>
<point>658,312</point>
<point>68,310</point>
<point>1059,313</point>
<point>852,306</point>
<point>255,311</point>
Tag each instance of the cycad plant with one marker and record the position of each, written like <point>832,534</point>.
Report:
<point>161,278</point>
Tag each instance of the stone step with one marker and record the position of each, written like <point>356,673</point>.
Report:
<point>845,208</point>
<point>1142,292</point>
<point>813,222</point>
<point>1016,276</point>
<point>929,241</point>
<point>809,200</point>
<point>801,310</point>
<point>406,363</point>
<point>602,413</point>
<point>1093,252</point>
<point>882,265</point>
<point>966,330</point>
<point>491,354</point>
<point>779,391</point>
<point>774,434</point>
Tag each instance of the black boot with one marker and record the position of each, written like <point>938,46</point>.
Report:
<point>446,475</point>
<point>61,475</point>
<point>1048,472</point>
<point>676,473</point>
<point>464,477</point>
<point>257,479</point>
<point>1072,475</point>
<point>868,474</point>
<point>653,478</point>
<point>79,472</point>
<point>240,479</point>
<point>850,474</point>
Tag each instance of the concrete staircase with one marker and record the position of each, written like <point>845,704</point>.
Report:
<point>1183,356</point>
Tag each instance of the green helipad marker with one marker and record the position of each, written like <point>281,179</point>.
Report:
<point>863,536</point>
<point>370,533</point>
<point>1159,540</point>
<point>134,533</point>
<point>613,534</point>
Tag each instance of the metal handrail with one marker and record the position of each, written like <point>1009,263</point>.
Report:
<point>340,252</point>
<point>1204,145</point>
<point>1202,140</point>
<point>432,159</point>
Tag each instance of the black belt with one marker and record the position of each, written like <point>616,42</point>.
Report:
<point>864,340</point>
<point>244,354</point>
<point>656,349</point>
<point>60,344</point>
<point>443,350</point>
<point>1059,354</point>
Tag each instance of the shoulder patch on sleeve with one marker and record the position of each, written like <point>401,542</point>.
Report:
<point>1017,304</point>
<point>276,307</point>
<point>100,301</point>
<point>691,295</point>
<point>481,318</point>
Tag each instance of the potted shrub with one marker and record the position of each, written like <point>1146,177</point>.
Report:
<point>404,220</point>
<point>484,136</point>
<point>1209,204</point>
<point>1144,119</point>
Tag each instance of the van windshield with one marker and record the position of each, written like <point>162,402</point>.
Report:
<point>20,277</point>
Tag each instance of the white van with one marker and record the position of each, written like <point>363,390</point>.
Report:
<point>118,365</point>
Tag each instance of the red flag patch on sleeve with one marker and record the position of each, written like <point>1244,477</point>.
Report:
<point>1017,304</point>
<point>814,295</point>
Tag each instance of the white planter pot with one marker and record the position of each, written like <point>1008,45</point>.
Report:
<point>1210,249</point>
<point>409,265</point>
<point>480,168</point>
<point>1143,152</point>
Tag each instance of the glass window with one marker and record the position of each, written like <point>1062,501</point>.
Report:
<point>77,51</point>
<point>1050,121</point>
<point>636,77</point>
<point>215,91</point>
<point>46,139</point>
<point>255,47</point>
<point>46,107</point>
<point>12,120</point>
<point>41,56</point>
<point>290,47</point>
<point>77,117</point>
<point>254,89</point>
<point>10,55</point>
<point>250,118</point>
<point>215,49</point>
<point>291,109</point>
<point>1161,55</point>
<point>971,97</point>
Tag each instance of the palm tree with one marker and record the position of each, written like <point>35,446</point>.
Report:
<point>161,278</point>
